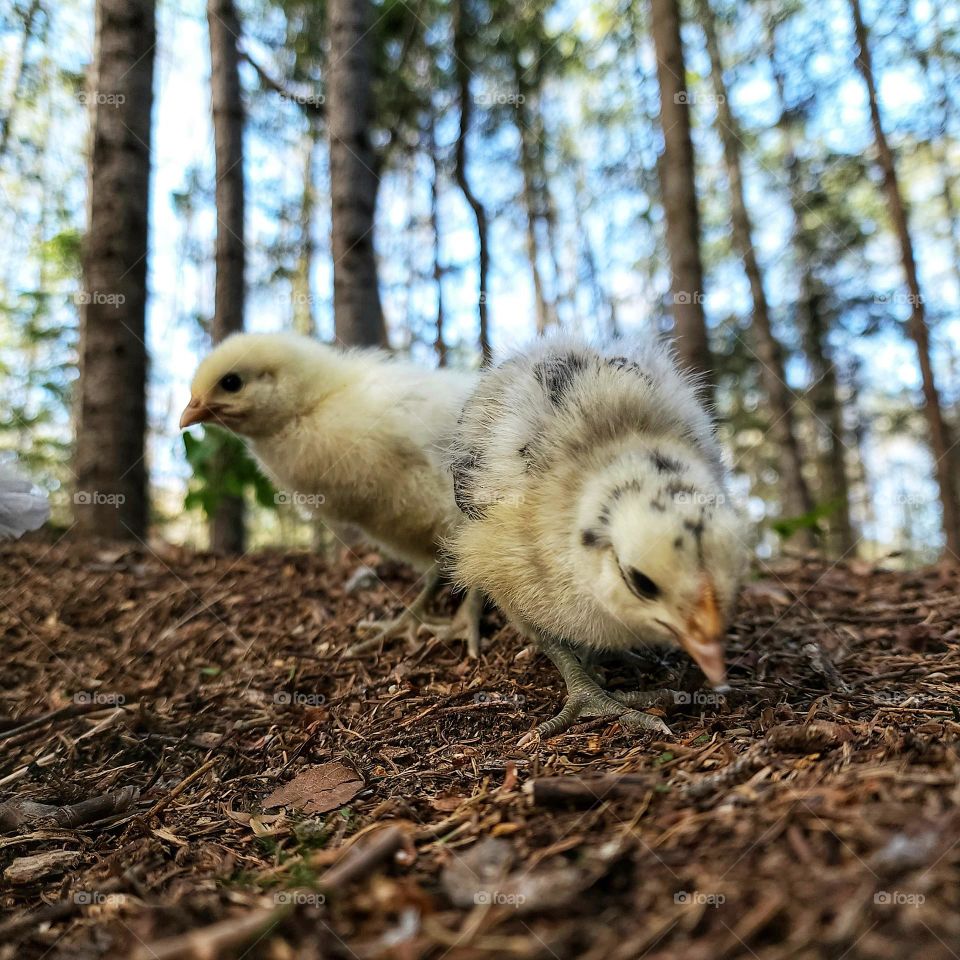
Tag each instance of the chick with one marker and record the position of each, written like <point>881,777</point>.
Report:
<point>353,435</point>
<point>596,514</point>
<point>22,508</point>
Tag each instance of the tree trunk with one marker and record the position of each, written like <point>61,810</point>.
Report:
<point>941,442</point>
<point>6,121</point>
<point>354,176</point>
<point>531,196</point>
<point>824,392</point>
<point>679,190</point>
<point>462,68</point>
<point>227,525</point>
<point>111,494</point>
<point>783,425</point>
<point>439,343</point>
<point>303,297</point>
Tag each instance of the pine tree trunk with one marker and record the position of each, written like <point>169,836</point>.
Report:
<point>354,176</point>
<point>6,121</point>
<point>439,343</point>
<point>227,534</point>
<point>941,442</point>
<point>111,494</point>
<point>783,421</point>
<point>679,190</point>
<point>304,321</point>
<point>824,393</point>
<point>462,60</point>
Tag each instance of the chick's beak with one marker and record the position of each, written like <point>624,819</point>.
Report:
<point>703,636</point>
<point>194,412</point>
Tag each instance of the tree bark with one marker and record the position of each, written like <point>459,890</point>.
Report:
<point>111,494</point>
<point>679,190</point>
<point>6,121</point>
<point>227,534</point>
<point>439,342</point>
<point>462,69</point>
<point>783,424</point>
<point>941,442</point>
<point>824,392</point>
<point>304,321</point>
<point>354,176</point>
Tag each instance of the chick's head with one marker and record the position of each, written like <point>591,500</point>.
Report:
<point>255,384</point>
<point>661,548</point>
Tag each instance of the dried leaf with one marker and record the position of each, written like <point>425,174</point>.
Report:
<point>317,789</point>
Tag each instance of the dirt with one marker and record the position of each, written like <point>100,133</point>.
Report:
<point>167,719</point>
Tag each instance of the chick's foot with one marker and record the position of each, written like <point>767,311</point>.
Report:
<point>407,625</point>
<point>464,626</point>
<point>586,699</point>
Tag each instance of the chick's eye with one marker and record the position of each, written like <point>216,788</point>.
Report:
<point>232,382</point>
<point>641,584</point>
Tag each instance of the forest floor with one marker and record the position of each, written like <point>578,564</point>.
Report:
<point>191,767</point>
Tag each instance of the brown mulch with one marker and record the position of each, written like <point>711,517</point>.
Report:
<point>189,766</point>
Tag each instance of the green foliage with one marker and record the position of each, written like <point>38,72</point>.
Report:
<point>222,466</point>
<point>786,527</point>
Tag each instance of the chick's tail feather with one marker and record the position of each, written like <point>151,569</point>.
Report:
<point>22,507</point>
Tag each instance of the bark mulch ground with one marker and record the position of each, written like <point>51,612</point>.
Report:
<point>191,767</point>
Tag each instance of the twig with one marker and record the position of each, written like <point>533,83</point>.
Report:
<point>17,813</point>
<point>165,801</point>
<point>362,859</point>
<point>587,791</point>
<point>209,942</point>
<point>64,713</point>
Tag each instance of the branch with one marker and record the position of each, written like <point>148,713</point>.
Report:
<point>313,106</point>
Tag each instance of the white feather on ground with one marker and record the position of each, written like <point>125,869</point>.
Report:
<point>22,506</point>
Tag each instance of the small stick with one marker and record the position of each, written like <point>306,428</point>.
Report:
<point>361,859</point>
<point>165,801</point>
<point>207,943</point>
<point>64,713</point>
<point>17,813</point>
<point>589,791</point>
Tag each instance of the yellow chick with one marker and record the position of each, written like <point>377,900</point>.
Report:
<point>355,437</point>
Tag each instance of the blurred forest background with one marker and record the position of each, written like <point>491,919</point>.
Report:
<point>774,182</point>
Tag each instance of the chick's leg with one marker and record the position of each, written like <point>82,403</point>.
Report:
<point>409,622</point>
<point>465,624</point>
<point>586,698</point>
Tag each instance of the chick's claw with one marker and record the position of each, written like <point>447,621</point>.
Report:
<point>464,626</point>
<point>586,699</point>
<point>406,627</point>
